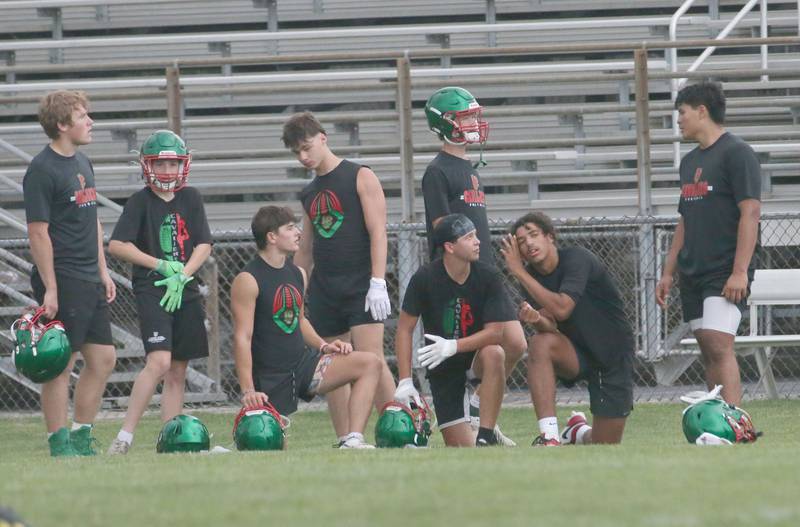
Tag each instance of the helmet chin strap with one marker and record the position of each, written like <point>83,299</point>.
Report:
<point>480,163</point>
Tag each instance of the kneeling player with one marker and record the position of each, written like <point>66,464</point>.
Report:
<point>271,334</point>
<point>164,233</point>
<point>463,308</point>
<point>581,332</point>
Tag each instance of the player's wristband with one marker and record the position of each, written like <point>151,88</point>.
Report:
<point>322,346</point>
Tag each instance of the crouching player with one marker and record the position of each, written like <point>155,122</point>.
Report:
<point>581,332</point>
<point>271,333</point>
<point>463,306</point>
<point>164,233</point>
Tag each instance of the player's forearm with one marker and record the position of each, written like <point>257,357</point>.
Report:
<point>402,346</point>
<point>42,252</point>
<point>671,262</point>
<point>243,359</point>
<point>746,237</point>
<point>490,335</point>
<point>199,255</point>
<point>559,304</point>
<point>128,252</point>
<point>310,336</point>
<point>378,246</point>
<point>101,251</point>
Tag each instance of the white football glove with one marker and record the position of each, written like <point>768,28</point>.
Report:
<point>432,355</point>
<point>405,393</point>
<point>377,301</point>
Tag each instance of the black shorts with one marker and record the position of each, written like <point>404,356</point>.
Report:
<point>182,332</point>
<point>694,290</point>
<point>610,387</point>
<point>336,303</point>
<point>285,388</point>
<point>82,308</point>
<point>449,390</point>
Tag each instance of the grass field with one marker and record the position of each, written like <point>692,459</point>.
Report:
<point>654,478</point>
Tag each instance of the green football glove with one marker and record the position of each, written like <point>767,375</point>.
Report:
<point>173,297</point>
<point>168,268</point>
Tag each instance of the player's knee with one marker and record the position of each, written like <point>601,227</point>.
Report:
<point>102,361</point>
<point>373,363</point>
<point>158,364</point>
<point>539,347</point>
<point>492,357</point>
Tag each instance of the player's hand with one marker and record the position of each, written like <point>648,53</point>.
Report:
<point>405,393</point>
<point>735,289</point>
<point>173,298</point>
<point>337,346</point>
<point>662,290</point>
<point>510,251</point>
<point>432,355</point>
<point>110,287</point>
<point>50,304</point>
<point>168,268</point>
<point>254,399</point>
<point>377,301</point>
<point>528,315</point>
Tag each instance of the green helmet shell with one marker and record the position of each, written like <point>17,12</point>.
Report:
<point>444,110</point>
<point>720,419</point>
<point>42,352</point>
<point>165,144</point>
<point>398,427</point>
<point>183,433</point>
<point>258,429</point>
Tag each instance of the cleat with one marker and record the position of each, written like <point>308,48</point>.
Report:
<point>540,440</point>
<point>355,442</point>
<point>569,435</point>
<point>502,439</point>
<point>60,445</point>
<point>118,447</point>
<point>83,441</point>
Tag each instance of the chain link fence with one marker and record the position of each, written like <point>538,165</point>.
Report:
<point>633,249</point>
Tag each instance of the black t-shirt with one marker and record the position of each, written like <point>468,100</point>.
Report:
<point>453,310</point>
<point>713,182</point>
<point>341,239</point>
<point>60,191</point>
<point>167,230</point>
<point>450,185</point>
<point>598,323</point>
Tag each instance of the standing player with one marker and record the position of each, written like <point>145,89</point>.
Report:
<point>717,233</point>
<point>164,233</point>
<point>464,308</point>
<point>346,256</point>
<point>451,184</point>
<point>581,332</point>
<point>70,279</point>
<point>271,334</point>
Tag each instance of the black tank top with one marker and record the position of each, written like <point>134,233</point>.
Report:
<point>341,239</point>
<point>277,343</point>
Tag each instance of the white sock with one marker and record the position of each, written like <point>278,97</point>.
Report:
<point>549,427</point>
<point>355,435</point>
<point>125,436</point>
<point>78,426</point>
<point>579,435</point>
<point>475,400</point>
<point>344,437</point>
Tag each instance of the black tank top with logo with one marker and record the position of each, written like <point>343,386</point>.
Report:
<point>341,239</point>
<point>277,343</point>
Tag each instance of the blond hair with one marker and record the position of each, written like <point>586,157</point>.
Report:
<point>56,108</point>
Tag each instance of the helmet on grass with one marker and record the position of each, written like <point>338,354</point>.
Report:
<point>401,426</point>
<point>259,428</point>
<point>183,433</point>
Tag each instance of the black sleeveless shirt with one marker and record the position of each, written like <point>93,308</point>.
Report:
<point>341,239</point>
<point>277,343</point>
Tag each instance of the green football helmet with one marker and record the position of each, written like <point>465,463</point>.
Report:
<point>183,433</point>
<point>720,419</point>
<point>402,427</point>
<point>456,117</point>
<point>165,144</point>
<point>259,428</point>
<point>41,351</point>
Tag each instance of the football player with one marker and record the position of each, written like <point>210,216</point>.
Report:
<point>343,251</point>
<point>451,184</point>
<point>271,333</point>
<point>581,332</point>
<point>70,279</point>
<point>164,234</point>
<point>464,308</point>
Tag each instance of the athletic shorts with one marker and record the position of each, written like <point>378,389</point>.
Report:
<point>284,389</point>
<point>449,390</point>
<point>610,387</point>
<point>694,292</point>
<point>336,303</point>
<point>182,332</point>
<point>82,308</point>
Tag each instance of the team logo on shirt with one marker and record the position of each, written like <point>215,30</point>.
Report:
<point>85,197</point>
<point>458,318</point>
<point>172,236</point>
<point>474,197</point>
<point>326,213</point>
<point>286,308</point>
<point>696,190</point>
